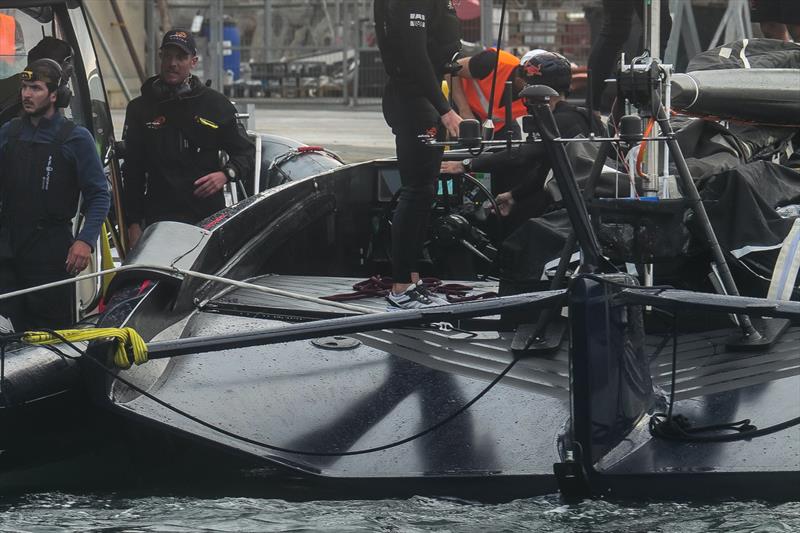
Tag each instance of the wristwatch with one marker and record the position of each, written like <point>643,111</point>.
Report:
<point>230,173</point>
<point>467,164</point>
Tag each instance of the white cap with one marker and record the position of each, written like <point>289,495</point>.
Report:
<point>531,54</point>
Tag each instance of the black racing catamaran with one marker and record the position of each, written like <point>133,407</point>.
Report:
<point>254,353</point>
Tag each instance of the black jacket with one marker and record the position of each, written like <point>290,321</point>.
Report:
<point>171,140</point>
<point>529,161</point>
<point>417,38</point>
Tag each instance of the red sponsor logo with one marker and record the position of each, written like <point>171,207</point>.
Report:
<point>214,222</point>
<point>157,122</point>
<point>432,131</point>
<point>533,70</point>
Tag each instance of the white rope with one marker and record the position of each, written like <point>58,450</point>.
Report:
<point>200,275</point>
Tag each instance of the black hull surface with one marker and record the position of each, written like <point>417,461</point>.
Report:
<point>290,418</point>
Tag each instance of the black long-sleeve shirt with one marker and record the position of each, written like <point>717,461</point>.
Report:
<point>416,39</point>
<point>529,160</point>
<point>171,140</point>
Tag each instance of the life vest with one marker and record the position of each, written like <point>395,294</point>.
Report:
<point>479,91</point>
<point>41,187</point>
<point>7,38</point>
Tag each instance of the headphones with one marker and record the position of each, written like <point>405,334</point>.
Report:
<point>63,92</point>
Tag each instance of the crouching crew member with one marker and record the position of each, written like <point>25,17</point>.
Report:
<point>417,41</point>
<point>46,163</point>
<point>472,89</point>
<point>526,166</point>
<point>173,134</point>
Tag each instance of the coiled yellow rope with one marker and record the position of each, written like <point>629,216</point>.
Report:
<point>127,338</point>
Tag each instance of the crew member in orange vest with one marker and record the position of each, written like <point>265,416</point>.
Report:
<point>8,32</point>
<point>472,94</point>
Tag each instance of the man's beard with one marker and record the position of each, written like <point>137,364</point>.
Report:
<point>38,111</point>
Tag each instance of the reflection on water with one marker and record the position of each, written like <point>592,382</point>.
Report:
<point>115,513</point>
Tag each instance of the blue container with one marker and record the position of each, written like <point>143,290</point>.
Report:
<point>232,61</point>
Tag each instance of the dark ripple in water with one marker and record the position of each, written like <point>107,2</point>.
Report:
<point>60,513</point>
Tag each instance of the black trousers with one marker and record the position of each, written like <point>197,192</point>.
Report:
<point>419,164</point>
<point>38,258</point>
<point>617,17</point>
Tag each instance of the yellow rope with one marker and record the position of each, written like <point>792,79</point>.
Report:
<point>127,338</point>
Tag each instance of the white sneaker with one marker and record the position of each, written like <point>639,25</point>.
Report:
<point>5,325</point>
<point>411,298</point>
<point>437,299</point>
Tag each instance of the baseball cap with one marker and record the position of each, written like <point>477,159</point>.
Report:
<point>46,70</point>
<point>182,39</point>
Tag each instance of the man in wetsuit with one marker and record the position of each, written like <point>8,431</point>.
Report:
<point>526,166</point>
<point>46,163</point>
<point>417,40</point>
<point>173,134</point>
<point>615,29</point>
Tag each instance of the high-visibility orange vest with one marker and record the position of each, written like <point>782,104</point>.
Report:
<point>479,91</point>
<point>7,36</point>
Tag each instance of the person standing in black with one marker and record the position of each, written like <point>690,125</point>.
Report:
<point>173,134</point>
<point>46,163</point>
<point>417,40</point>
<point>615,29</point>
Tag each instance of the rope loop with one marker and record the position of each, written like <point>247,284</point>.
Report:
<point>131,348</point>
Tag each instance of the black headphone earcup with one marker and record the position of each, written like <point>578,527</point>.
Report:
<point>63,96</point>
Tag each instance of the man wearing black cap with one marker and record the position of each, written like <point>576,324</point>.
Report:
<point>46,163</point>
<point>49,47</point>
<point>173,134</point>
<point>418,40</point>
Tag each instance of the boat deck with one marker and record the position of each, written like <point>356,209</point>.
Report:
<point>316,287</point>
<point>705,365</point>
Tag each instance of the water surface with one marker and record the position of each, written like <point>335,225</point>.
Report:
<point>60,513</point>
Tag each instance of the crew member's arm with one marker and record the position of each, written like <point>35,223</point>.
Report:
<point>459,98</point>
<point>476,67</point>
<point>96,198</point>
<point>408,22</point>
<point>133,173</point>
<point>524,155</point>
<point>241,157</point>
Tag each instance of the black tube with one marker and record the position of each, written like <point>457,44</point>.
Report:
<point>353,324</point>
<point>561,272</point>
<point>690,190</point>
<point>509,100</point>
<point>497,60</point>
<point>565,177</point>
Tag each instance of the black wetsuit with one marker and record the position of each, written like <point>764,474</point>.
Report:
<point>417,38</point>
<point>524,168</point>
<point>172,139</point>
<point>43,170</point>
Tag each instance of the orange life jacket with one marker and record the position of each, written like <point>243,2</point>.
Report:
<point>7,36</point>
<point>479,91</point>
